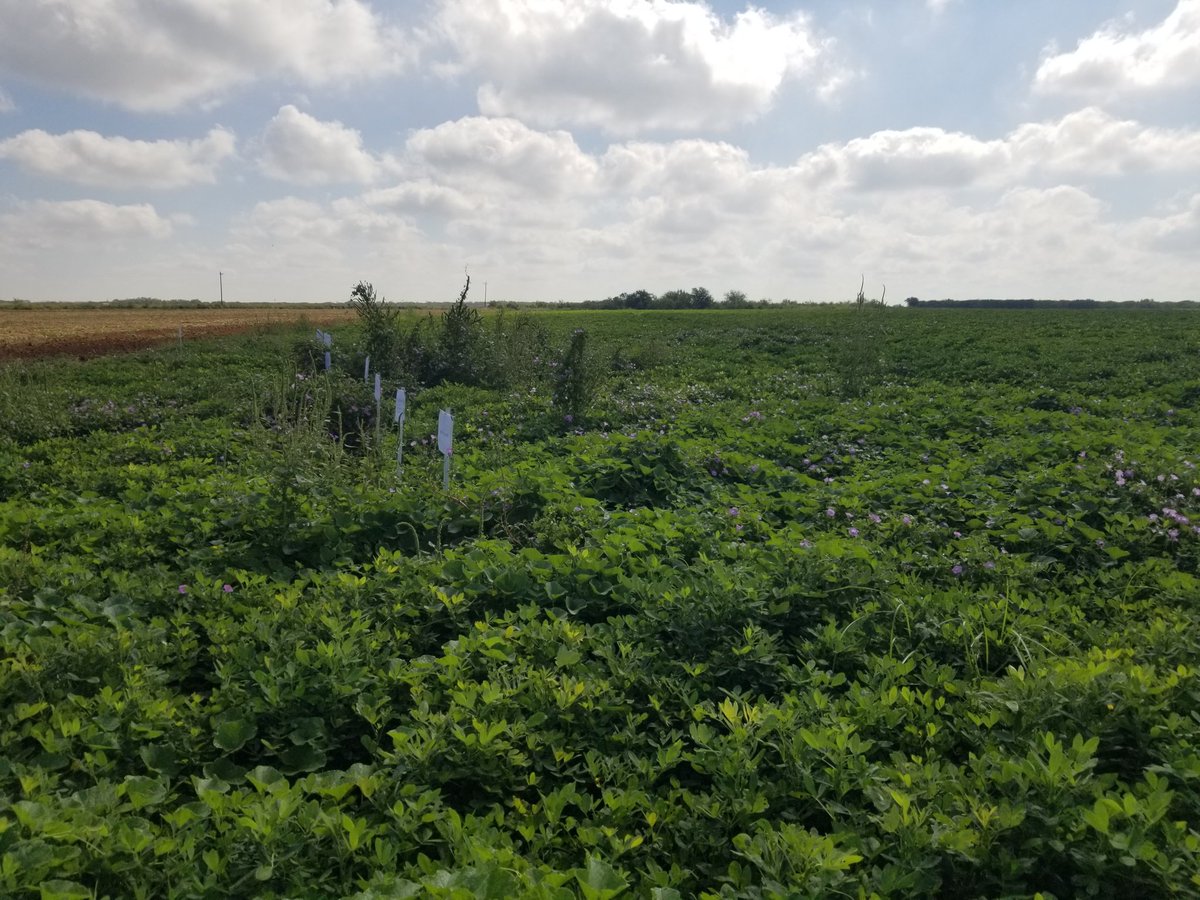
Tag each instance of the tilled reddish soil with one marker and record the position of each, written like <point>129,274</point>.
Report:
<point>84,333</point>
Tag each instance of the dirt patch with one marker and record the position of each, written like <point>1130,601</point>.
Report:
<point>84,333</point>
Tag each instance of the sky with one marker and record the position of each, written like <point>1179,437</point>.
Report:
<point>283,150</point>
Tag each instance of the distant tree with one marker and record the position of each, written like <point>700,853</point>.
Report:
<point>735,298</point>
<point>911,301</point>
<point>700,298</point>
<point>677,299</point>
<point>640,299</point>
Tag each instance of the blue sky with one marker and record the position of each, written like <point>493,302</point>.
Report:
<point>573,149</point>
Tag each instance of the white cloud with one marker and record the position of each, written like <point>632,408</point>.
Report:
<point>627,66</point>
<point>301,149</point>
<point>1112,62</point>
<point>483,154</point>
<point>1176,232</point>
<point>164,54</point>
<point>938,6</point>
<point>915,158</point>
<point>537,216</point>
<point>662,215</point>
<point>422,198</point>
<point>44,224</point>
<point>1092,142</point>
<point>1087,143</point>
<point>85,157</point>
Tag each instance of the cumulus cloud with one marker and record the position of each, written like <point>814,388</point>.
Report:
<point>1089,143</point>
<point>627,66</point>
<point>1175,232</point>
<point>85,157</point>
<point>301,149</point>
<point>500,153</point>
<point>46,224</point>
<point>1093,142</point>
<point>163,54</point>
<point>1112,62</point>
<point>914,158</point>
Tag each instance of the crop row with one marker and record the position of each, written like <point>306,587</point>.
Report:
<point>803,603</point>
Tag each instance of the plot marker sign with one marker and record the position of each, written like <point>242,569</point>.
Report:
<point>445,439</point>
<point>378,405</point>
<point>401,406</point>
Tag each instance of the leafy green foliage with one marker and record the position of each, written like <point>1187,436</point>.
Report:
<point>379,323</point>
<point>575,379</point>
<point>740,632</point>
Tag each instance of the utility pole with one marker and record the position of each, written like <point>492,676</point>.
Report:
<point>221,276</point>
<point>485,293</point>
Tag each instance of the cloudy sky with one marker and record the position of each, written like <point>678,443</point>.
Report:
<point>574,149</point>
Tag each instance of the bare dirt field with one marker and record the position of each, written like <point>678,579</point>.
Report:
<point>85,332</point>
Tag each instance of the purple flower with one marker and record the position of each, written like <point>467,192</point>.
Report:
<point>853,532</point>
<point>806,543</point>
<point>957,570</point>
<point>734,511</point>
<point>906,519</point>
<point>227,588</point>
<point>831,512</point>
<point>875,519</point>
<point>989,565</point>
<point>183,589</point>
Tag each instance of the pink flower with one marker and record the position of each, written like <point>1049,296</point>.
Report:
<point>227,588</point>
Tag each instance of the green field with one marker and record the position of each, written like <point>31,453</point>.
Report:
<point>806,602</point>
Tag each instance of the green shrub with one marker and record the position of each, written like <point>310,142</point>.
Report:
<point>380,324</point>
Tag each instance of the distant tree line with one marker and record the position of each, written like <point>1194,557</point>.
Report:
<point>1029,303</point>
<point>696,298</point>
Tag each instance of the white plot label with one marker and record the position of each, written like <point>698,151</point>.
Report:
<point>445,433</point>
